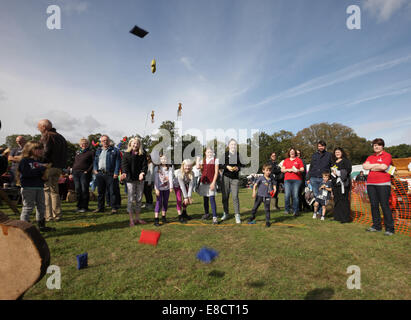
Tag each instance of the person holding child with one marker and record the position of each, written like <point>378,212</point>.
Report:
<point>134,169</point>
<point>163,185</point>
<point>207,189</point>
<point>263,190</point>
<point>341,185</point>
<point>292,168</point>
<point>323,196</point>
<point>32,176</point>
<point>183,188</point>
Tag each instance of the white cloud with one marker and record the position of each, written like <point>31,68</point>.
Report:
<point>383,9</point>
<point>73,6</point>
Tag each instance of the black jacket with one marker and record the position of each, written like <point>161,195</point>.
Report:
<point>55,149</point>
<point>133,165</point>
<point>320,162</point>
<point>233,161</point>
<point>83,161</point>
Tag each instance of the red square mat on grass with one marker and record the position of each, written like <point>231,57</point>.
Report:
<point>149,237</point>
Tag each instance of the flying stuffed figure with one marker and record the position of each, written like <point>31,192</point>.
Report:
<point>152,116</point>
<point>153,66</point>
<point>179,110</point>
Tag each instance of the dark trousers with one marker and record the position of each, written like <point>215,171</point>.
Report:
<point>257,203</point>
<point>148,192</point>
<point>105,184</point>
<point>82,185</point>
<point>379,195</point>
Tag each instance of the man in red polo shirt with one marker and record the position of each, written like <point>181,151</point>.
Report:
<point>379,187</point>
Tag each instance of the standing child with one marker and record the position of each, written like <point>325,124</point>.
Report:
<point>266,186</point>
<point>207,188</point>
<point>324,195</point>
<point>183,187</point>
<point>32,185</point>
<point>163,184</point>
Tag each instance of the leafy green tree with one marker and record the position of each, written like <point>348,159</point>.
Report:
<point>399,151</point>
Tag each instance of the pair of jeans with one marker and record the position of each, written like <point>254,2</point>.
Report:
<point>105,183</point>
<point>82,185</point>
<point>257,203</point>
<point>33,198</point>
<point>380,195</point>
<point>316,184</point>
<point>291,188</point>
<point>230,185</point>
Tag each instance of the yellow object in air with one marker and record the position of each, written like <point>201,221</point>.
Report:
<point>153,66</point>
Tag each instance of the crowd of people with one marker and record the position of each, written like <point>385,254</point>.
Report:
<point>37,167</point>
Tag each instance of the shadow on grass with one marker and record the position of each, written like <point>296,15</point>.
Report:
<point>63,231</point>
<point>256,284</point>
<point>320,294</point>
<point>216,274</point>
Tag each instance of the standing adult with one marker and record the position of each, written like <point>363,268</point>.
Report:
<point>320,162</point>
<point>301,195</point>
<point>292,168</point>
<point>134,169</point>
<point>149,183</point>
<point>379,187</point>
<point>55,154</point>
<point>230,180</point>
<point>82,169</point>
<point>341,185</point>
<point>276,173</point>
<point>106,167</point>
<point>15,157</point>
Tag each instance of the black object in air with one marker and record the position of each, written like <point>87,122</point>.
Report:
<point>139,32</point>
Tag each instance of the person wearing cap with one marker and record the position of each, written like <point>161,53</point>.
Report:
<point>379,187</point>
<point>55,154</point>
<point>15,157</point>
<point>106,167</point>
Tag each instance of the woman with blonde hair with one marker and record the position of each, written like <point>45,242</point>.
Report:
<point>134,168</point>
<point>183,187</point>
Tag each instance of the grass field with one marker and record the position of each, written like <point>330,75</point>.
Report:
<point>296,258</point>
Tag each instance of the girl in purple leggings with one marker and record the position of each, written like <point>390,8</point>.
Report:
<point>163,184</point>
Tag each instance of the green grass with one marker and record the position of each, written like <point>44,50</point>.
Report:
<point>297,258</point>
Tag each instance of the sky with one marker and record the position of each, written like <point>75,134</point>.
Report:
<point>269,65</point>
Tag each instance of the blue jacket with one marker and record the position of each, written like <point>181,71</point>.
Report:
<point>320,162</point>
<point>113,160</point>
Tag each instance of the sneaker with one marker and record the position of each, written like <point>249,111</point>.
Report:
<point>237,219</point>
<point>206,216</point>
<point>181,219</point>
<point>114,211</point>
<point>315,215</point>
<point>267,224</point>
<point>164,219</point>
<point>157,222</point>
<point>251,219</point>
<point>186,216</point>
<point>389,233</point>
<point>81,211</point>
<point>224,217</point>
<point>98,210</point>
<point>322,218</point>
<point>372,229</point>
<point>215,220</point>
